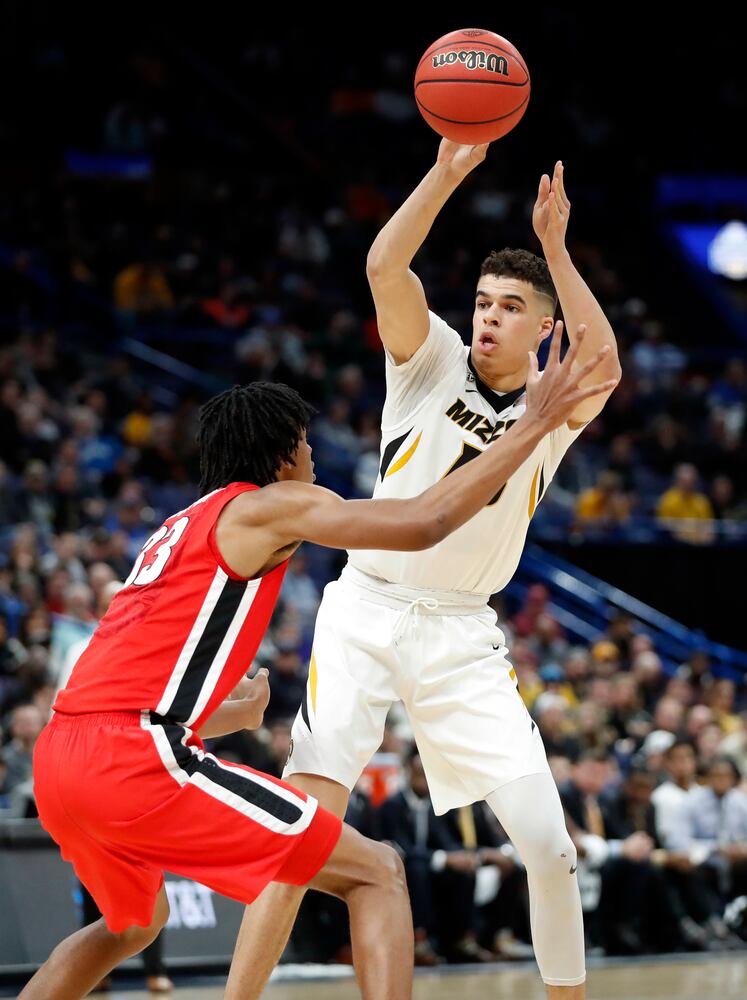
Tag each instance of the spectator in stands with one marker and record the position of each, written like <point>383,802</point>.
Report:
<point>629,907</point>
<point>669,797</point>
<point>708,746</point>
<point>712,827</point>
<point>724,502</point>
<point>593,730</point>
<point>656,362</point>
<point>12,655</point>
<point>141,291</point>
<point>735,745</point>
<point>577,666</point>
<point>75,623</point>
<point>547,641</point>
<point>683,502</point>
<point>287,682</point>
<point>622,631</point>
<point>279,746</point>
<point>551,712</point>
<point>300,592</point>
<point>698,717</point>
<point>720,698</point>
<point>679,689</point>
<point>669,716</point>
<point>606,659</point>
<point>440,871</point>
<point>728,397</point>
<point>605,505</point>
<point>34,502</point>
<point>26,722</point>
<point>653,750</point>
<point>646,668</point>
<point>628,718</point>
<point>535,604</point>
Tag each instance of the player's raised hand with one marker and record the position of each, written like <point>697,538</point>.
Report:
<point>551,212</point>
<point>459,158</point>
<point>553,395</point>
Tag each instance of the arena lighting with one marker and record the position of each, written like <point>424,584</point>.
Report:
<point>727,252</point>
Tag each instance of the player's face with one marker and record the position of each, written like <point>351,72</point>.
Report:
<point>509,318</point>
<point>303,467</point>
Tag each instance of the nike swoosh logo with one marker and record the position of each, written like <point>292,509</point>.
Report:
<point>497,647</point>
<point>572,871</point>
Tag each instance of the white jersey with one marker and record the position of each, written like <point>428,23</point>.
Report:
<point>438,415</point>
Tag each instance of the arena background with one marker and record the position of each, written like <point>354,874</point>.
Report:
<point>187,203</point>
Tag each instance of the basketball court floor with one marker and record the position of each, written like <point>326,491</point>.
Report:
<point>718,977</point>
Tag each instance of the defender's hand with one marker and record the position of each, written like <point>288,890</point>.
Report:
<point>554,395</point>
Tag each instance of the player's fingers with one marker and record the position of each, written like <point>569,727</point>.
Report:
<point>545,334</point>
<point>561,185</point>
<point>591,364</point>
<point>553,357</point>
<point>553,204</point>
<point>595,390</point>
<point>533,366</point>
<point>576,341</point>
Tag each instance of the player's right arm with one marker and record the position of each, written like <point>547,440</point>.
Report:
<point>401,308</point>
<point>260,524</point>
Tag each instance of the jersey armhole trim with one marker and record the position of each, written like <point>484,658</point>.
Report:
<point>408,417</point>
<point>211,539</point>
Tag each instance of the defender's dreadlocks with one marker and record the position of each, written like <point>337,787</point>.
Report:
<point>247,431</point>
<point>524,265</point>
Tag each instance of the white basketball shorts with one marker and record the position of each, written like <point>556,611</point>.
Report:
<point>443,655</point>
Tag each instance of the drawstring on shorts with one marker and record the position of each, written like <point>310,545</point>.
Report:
<point>414,606</point>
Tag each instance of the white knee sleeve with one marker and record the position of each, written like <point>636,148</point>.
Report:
<point>530,812</point>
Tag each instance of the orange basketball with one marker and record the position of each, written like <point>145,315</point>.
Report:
<point>472,86</point>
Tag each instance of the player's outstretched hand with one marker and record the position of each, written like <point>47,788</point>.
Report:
<point>551,212</point>
<point>461,159</point>
<point>554,394</point>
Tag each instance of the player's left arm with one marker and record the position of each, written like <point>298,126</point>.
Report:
<point>243,709</point>
<point>550,221</point>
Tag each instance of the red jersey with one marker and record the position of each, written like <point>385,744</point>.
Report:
<point>183,631</point>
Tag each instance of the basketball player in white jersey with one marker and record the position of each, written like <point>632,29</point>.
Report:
<point>416,626</point>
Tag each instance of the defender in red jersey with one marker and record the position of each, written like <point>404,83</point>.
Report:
<point>122,779</point>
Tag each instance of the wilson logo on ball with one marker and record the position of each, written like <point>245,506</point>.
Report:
<point>473,60</point>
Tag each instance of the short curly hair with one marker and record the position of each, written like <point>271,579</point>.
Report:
<point>247,432</point>
<point>524,265</point>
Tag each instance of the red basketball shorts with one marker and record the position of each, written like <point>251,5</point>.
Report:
<point>127,795</point>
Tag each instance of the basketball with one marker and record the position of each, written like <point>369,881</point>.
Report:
<point>472,86</point>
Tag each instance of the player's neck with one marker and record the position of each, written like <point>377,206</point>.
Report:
<point>498,382</point>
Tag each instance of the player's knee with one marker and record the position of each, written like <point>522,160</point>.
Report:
<point>135,937</point>
<point>552,855</point>
<point>160,913</point>
<point>391,870</point>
